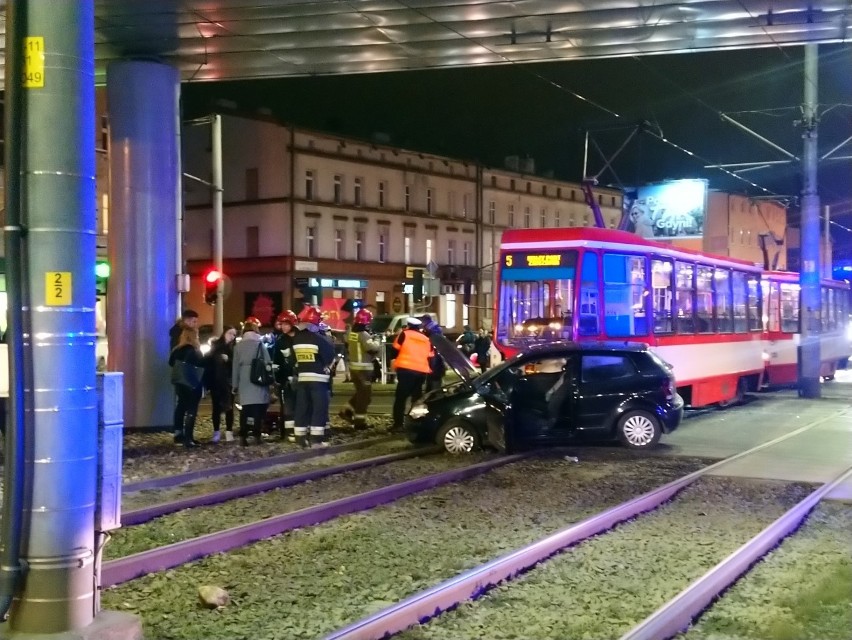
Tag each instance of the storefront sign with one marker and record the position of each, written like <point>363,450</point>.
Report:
<point>305,265</point>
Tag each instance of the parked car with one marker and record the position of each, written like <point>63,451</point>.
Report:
<point>550,394</point>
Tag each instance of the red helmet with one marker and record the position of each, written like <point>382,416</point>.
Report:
<point>310,314</point>
<point>251,320</point>
<point>287,316</point>
<point>363,316</point>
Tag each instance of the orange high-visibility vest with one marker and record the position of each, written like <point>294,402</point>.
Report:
<point>413,352</point>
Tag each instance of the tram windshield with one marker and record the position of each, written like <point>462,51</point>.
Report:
<point>536,298</point>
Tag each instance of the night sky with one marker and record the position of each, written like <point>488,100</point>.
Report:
<point>533,110</point>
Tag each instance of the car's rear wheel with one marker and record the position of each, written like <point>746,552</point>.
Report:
<point>457,437</point>
<point>639,429</point>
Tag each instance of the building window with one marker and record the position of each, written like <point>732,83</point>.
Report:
<point>383,239</point>
<point>451,203</point>
<point>382,188</point>
<point>558,192</point>
<point>529,187</point>
<point>251,184</point>
<point>252,242</point>
<point>338,189</point>
<point>466,253</point>
<point>407,249</point>
<point>492,212</point>
<point>428,202</point>
<point>512,185</point>
<point>451,251</point>
<point>465,204</point>
<point>359,246</point>
<point>543,217</point>
<point>407,198</point>
<point>544,189</point>
<point>493,181</point>
<point>309,185</point>
<point>357,194</point>
<point>557,222</point>
<point>527,221</point>
<point>511,215</point>
<point>311,242</point>
<point>339,244</point>
<point>428,250</point>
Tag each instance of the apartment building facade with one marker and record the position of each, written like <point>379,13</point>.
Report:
<point>304,207</point>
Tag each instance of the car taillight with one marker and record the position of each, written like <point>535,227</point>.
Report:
<point>669,389</point>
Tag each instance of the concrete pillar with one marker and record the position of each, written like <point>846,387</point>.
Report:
<point>143,105</point>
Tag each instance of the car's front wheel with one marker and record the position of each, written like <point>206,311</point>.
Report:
<point>639,429</point>
<point>458,436</point>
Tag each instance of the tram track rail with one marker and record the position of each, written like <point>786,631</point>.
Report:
<point>117,571</point>
<point>471,584</point>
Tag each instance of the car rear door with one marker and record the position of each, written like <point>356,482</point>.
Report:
<point>606,380</point>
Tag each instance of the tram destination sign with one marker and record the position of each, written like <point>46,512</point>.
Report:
<point>537,265</point>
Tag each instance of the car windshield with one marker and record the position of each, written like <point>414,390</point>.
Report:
<point>537,330</point>
<point>380,324</point>
<point>454,358</point>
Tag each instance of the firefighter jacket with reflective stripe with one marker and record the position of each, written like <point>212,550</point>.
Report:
<point>414,349</point>
<point>361,349</point>
<point>282,355</point>
<point>314,355</point>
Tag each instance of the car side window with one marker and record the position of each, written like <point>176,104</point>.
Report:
<point>606,368</point>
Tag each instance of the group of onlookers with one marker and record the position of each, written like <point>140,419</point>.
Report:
<point>298,355</point>
<point>302,357</point>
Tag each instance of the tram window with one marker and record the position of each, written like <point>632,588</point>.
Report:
<point>772,299</point>
<point>740,301</point>
<point>624,295</point>
<point>754,321</point>
<point>684,277</point>
<point>789,307</point>
<point>704,299</point>
<point>588,312</point>
<point>724,319</point>
<point>661,284</point>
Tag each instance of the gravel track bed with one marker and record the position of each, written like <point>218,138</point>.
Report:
<point>306,583</point>
<point>800,591</point>
<point>604,586</point>
<point>191,523</point>
<point>153,455</point>
<point>149,497</point>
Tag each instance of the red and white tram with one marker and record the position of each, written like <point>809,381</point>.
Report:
<point>781,296</point>
<point>701,313</point>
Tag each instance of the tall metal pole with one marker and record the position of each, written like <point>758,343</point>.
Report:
<point>57,200</point>
<point>809,351</point>
<point>216,135</point>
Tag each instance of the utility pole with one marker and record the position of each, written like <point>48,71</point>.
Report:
<point>809,351</point>
<point>216,139</point>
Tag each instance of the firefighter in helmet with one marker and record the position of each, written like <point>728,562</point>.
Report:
<point>285,372</point>
<point>314,356</point>
<point>362,348</point>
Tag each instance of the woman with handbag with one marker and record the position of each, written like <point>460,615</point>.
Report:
<point>251,359</point>
<point>187,365</point>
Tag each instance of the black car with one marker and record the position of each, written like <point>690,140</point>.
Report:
<point>553,393</point>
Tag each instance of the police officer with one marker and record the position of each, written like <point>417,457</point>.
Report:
<point>285,372</point>
<point>314,356</point>
<point>362,348</point>
<point>412,367</point>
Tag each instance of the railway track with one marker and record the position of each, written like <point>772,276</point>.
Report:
<point>663,624</point>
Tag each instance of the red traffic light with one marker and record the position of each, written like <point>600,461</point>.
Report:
<point>212,276</point>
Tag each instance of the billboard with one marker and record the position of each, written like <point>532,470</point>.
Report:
<point>666,210</point>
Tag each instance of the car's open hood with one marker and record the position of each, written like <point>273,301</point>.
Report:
<point>454,358</point>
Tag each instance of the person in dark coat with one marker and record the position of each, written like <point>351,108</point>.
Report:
<point>218,382</point>
<point>188,318</point>
<point>188,350</point>
<point>482,348</point>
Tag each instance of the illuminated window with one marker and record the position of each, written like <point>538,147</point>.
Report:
<point>359,245</point>
<point>492,212</point>
<point>428,250</point>
<point>661,286</point>
<point>338,189</point>
<point>407,248</point>
<point>557,222</point>
<point>383,238</point>
<point>407,198</point>
<point>357,193</point>
<point>466,253</point>
<point>339,244</point>
<point>311,241</point>
<point>527,217</point>
<point>465,205</point>
<point>543,217</point>
<point>451,251</point>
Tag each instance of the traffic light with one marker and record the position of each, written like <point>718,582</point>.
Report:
<point>212,278</point>
<point>417,285</point>
<point>101,277</point>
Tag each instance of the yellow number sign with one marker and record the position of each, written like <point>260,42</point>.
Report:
<point>57,288</point>
<point>33,62</point>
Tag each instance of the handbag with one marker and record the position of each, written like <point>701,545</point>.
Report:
<point>186,374</point>
<point>261,370</point>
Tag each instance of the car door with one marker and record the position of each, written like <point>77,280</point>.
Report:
<point>606,379</point>
<point>529,382</point>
